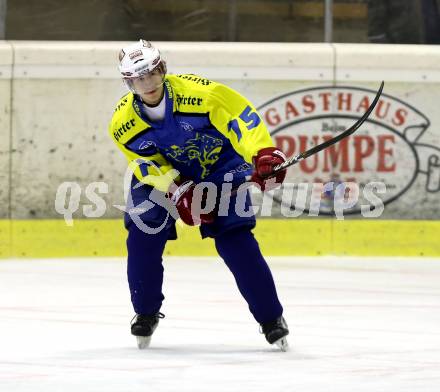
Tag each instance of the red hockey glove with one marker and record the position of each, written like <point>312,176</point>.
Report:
<point>182,198</point>
<point>264,163</point>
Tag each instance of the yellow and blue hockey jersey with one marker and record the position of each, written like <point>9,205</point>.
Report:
<point>208,130</point>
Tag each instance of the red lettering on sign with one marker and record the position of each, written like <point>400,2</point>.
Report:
<point>272,117</point>
<point>286,144</point>
<point>312,160</point>
<point>309,105</point>
<point>337,157</point>
<point>400,117</point>
<point>291,110</point>
<point>344,101</point>
<point>384,152</point>
<point>333,153</point>
<point>380,111</point>
<point>363,105</point>
<point>363,148</point>
<point>325,101</point>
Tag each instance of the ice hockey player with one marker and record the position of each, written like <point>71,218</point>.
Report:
<point>203,130</point>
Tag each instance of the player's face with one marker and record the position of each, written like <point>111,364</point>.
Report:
<point>149,87</point>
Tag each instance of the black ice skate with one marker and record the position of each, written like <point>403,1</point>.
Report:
<point>143,327</point>
<point>276,332</point>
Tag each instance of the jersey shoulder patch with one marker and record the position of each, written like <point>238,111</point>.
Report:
<point>126,122</point>
<point>191,93</point>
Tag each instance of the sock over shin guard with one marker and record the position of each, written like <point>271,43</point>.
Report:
<point>241,253</point>
<point>145,270</point>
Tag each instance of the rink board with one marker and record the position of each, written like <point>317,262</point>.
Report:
<point>67,139</point>
<point>106,237</point>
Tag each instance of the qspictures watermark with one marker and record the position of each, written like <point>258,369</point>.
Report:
<point>295,199</point>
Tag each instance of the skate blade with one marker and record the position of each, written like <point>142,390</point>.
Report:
<point>143,342</point>
<point>282,344</point>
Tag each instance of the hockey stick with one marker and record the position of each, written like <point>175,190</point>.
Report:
<point>296,158</point>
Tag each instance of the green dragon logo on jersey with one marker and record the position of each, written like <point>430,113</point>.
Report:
<point>203,148</point>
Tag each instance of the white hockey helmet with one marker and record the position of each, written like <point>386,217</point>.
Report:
<point>140,59</point>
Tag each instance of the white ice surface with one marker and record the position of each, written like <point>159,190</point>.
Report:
<point>356,325</point>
